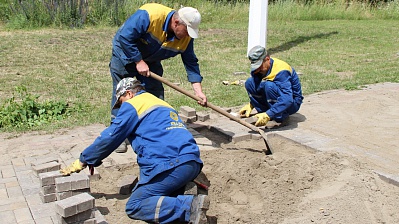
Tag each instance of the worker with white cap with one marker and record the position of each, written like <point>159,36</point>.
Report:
<point>152,34</point>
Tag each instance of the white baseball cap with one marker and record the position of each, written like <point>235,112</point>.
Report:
<point>192,18</point>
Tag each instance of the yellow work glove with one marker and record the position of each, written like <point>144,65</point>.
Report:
<point>246,110</point>
<point>75,167</point>
<point>263,118</point>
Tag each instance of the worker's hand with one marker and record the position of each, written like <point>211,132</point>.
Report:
<point>143,69</point>
<point>198,92</point>
<point>263,118</point>
<point>75,167</point>
<point>246,110</point>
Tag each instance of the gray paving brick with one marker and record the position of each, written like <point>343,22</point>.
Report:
<point>63,184</point>
<point>46,167</point>
<point>18,162</point>
<point>48,189</point>
<point>8,172</point>
<point>45,210</point>
<point>2,186</point>
<point>7,217</point>
<point>13,206</point>
<point>187,111</point>
<point>74,205</point>
<point>3,193</point>
<point>46,198</point>
<point>48,178</point>
<point>44,160</point>
<point>46,220</point>
<point>23,214</point>
<point>89,214</point>
<point>33,199</point>
<point>79,181</point>
<point>8,201</point>
<point>126,183</point>
<point>14,191</point>
<point>202,116</point>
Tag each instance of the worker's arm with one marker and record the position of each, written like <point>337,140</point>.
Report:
<point>121,127</point>
<point>129,34</point>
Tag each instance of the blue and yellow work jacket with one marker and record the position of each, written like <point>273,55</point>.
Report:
<point>157,134</point>
<point>144,36</point>
<point>286,79</point>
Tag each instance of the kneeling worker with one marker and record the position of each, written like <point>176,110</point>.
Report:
<point>167,155</point>
<point>274,88</point>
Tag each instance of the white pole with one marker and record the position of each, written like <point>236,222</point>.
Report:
<point>257,27</point>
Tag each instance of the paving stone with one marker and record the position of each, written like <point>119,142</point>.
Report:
<point>187,111</point>
<point>126,184</point>
<point>18,162</point>
<point>187,119</point>
<point>45,220</point>
<point>12,184</point>
<point>7,217</point>
<point>14,206</point>
<point>48,189</point>
<point>22,214</point>
<point>389,178</point>
<point>202,116</point>
<point>8,201</point>
<point>99,217</point>
<point>48,178</point>
<point>3,193</point>
<point>8,172</point>
<point>8,180</point>
<point>46,198</point>
<point>46,167</point>
<point>83,216</point>
<point>14,191</point>
<point>44,160</point>
<point>74,205</point>
<point>42,210</point>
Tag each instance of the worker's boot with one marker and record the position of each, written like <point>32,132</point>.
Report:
<point>123,147</point>
<point>199,206</point>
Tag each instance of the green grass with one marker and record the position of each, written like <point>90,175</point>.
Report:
<point>72,65</point>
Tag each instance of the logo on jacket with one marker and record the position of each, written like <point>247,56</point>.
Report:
<point>173,115</point>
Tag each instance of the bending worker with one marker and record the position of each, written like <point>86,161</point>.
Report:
<point>154,33</point>
<point>274,88</point>
<point>167,155</point>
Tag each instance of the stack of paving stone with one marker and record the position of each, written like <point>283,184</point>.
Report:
<point>189,115</point>
<point>77,209</point>
<point>47,186</point>
<point>68,186</point>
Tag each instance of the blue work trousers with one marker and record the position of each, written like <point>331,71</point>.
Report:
<point>264,94</point>
<point>119,71</point>
<point>161,200</point>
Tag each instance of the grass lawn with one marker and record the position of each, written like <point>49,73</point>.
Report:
<point>72,65</point>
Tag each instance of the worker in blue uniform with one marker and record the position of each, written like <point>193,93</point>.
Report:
<point>152,34</point>
<point>167,155</point>
<point>274,88</point>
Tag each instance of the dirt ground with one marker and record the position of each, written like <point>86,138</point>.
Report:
<point>355,134</point>
<point>298,184</point>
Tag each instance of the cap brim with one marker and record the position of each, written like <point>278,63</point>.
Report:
<point>193,33</point>
<point>256,65</point>
<point>116,105</point>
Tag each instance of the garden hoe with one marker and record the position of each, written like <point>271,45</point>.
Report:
<point>267,151</point>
